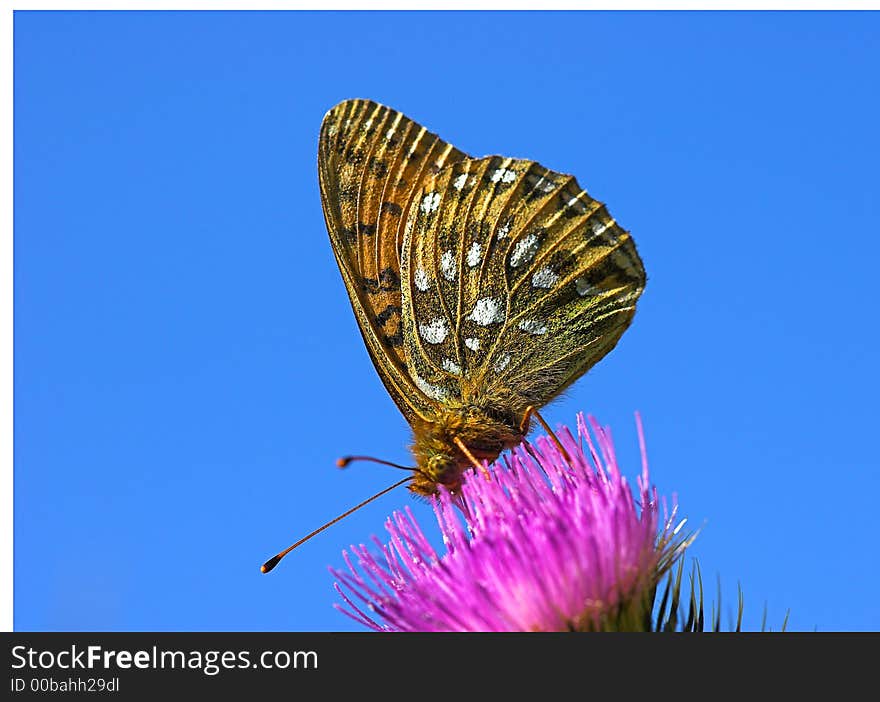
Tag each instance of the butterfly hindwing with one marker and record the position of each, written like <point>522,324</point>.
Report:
<point>371,161</point>
<point>515,281</point>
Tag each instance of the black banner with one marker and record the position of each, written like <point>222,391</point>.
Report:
<point>132,665</point>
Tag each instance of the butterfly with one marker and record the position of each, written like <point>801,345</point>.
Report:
<point>482,287</point>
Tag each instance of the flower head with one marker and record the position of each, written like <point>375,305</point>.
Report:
<point>538,543</point>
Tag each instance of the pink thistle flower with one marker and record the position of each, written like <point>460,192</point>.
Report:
<point>541,545</point>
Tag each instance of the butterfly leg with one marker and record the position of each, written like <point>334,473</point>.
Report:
<point>531,411</point>
<point>464,449</point>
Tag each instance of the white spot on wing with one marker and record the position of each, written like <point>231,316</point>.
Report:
<point>435,392</point>
<point>532,326</point>
<point>502,362</point>
<point>435,331</point>
<point>430,202</point>
<point>504,175</point>
<point>447,265</point>
<point>451,366</point>
<point>488,310</point>
<point>545,278</point>
<point>525,250</point>
<point>504,230</point>
<point>598,227</point>
<point>545,185</point>
<point>541,183</point>
<point>577,205</point>
<point>392,130</point>
<point>421,280</point>
<point>460,182</point>
<point>472,343</point>
<point>583,287</point>
<point>474,254</point>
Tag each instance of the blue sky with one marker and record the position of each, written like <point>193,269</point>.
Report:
<point>187,366</point>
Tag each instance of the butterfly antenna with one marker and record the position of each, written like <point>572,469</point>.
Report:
<point>276,559</point>
<point>531,411</point>
<point>345,460</point>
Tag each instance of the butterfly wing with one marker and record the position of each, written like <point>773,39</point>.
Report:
<point>515,282</point>
<point>371,161</point>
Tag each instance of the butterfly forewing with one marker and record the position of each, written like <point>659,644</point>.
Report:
<point>372,160</point>
<point>515,282</point>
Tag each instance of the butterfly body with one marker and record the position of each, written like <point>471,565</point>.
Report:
<point>481,286</point>
<point>483,426</point>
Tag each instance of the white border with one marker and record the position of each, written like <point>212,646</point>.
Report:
<point>6,321</point>
<point>447,5</point>
<point>6,150</point>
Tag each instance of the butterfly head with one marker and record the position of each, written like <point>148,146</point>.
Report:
<point>439,469</point>
<point>459,439</point>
